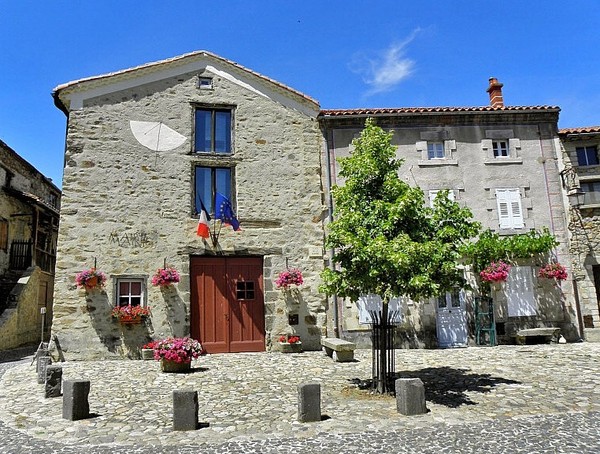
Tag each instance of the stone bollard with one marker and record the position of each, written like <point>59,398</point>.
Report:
<point>75,399</point>
<point>52,385</point>
<point>410,396</point>
<point>42,363</point>
<point>185,410</point>
<point>309,402</point>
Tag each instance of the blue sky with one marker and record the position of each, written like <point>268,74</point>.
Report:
<point>344,53</point>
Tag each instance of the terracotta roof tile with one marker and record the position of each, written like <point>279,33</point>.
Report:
<point>582,130</point>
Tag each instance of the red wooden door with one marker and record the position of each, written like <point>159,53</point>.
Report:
<point>227,304</point>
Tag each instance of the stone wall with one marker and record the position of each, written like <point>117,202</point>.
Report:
<point>129,208</point>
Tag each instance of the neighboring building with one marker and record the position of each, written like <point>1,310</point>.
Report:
<point>29,206</point>
<point>500,161</point>
<point>581,179</point>
<point>145,147</point>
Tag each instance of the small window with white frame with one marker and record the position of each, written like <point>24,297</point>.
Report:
<point>435,150</point>
<point>435,192</point>
<point>130,292</point>
<point>205,83</point>
<point>500,148</point>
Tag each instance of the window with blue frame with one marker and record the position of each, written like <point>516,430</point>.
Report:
<point>207,182</point>
<point>587,156</point>
<point>212,131</point>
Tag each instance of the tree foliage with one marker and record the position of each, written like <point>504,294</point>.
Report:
<point>492,247</point>
<point>385,239</point>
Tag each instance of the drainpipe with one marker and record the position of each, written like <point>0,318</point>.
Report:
<point>329,147</point>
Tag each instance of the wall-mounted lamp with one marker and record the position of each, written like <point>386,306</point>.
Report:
<point>576,197</point>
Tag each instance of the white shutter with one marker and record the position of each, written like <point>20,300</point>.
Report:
<point>434,193</point>
<point>510,212</point>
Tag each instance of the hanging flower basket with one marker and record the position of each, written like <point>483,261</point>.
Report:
<point>130,315</point>
<point>495,272</point>
<point>288,278</point>
<point>165,277</point>
<point>90,279</point>
<point>553,271</point>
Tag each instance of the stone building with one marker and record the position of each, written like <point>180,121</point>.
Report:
<point>581,179</point>
<point>29,206</point>
<point>500,161</point>
<point>146,148</point>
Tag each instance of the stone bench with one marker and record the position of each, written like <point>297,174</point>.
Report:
<point>549,334</point>
<point>340,350</point>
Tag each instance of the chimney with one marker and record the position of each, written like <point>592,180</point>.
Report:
<point>495,91</point>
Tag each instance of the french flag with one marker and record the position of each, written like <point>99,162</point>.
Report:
<point>203,228</point>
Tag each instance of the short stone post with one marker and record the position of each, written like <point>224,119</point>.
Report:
<point>410,396</point>
<point>309,402</point>
<point>42,363</point>
<point>75,399</point>
<point>185,410</point>
<point>52,386</point>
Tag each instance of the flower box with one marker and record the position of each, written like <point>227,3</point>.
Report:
<point>90,279</point>
<point>290,343</point>
<point>174,352</point>
<point>130,315</point>
<point>553,271</point>
<point>495,272</point>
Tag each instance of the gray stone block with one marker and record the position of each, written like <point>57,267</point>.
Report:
<point>75,399</point>
<point>53,383</point>
<point>309,402</point>
<point>42,363</point>
<point>410,396</point>
<point>185,410</point>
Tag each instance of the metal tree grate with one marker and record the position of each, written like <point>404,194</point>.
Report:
<point>383,352</point>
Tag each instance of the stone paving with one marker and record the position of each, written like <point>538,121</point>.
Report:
<point>508,398</point>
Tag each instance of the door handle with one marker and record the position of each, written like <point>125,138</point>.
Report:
<point>226,317</point>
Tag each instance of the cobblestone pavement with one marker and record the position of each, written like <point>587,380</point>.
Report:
<point>513,399</point>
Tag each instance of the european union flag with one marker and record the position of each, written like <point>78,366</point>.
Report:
<point>224,212</point>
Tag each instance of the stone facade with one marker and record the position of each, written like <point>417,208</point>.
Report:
<point>583,175</point>
<point>466,165</point>
<point>129,208</point>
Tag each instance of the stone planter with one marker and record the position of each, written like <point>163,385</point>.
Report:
<point>147,354</point>
<point>286,347</point>
<point>173,367</point>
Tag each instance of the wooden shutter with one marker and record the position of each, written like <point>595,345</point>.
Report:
<point>510,212</point>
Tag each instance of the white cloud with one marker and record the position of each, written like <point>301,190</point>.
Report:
<point>384,71</point>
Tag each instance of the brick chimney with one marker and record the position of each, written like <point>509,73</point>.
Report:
<point>495,91</point>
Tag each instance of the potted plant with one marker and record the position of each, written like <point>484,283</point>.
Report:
<point>288,278</point>
<point>90,279</point>
<point>553,271</point>
<point>165,276</point>
<point>130,315</point>
<point>290,343</point>
<point>148,350</point>
<point>176,353</point>
<point>495,272</point>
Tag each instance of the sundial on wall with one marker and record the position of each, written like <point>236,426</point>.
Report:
<point>155,135</point>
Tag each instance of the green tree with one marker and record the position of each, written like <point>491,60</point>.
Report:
<point>385,239</point>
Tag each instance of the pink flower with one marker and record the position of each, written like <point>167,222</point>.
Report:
<point>495,272</point>
<point>289,277</point>
<point>165,276</point>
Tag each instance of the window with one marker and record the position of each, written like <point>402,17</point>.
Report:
<point>500,148</point>
<point>244,290</point>
<point>592,192</point>
<point>3,234</point>
<point>209,181</point>
<point>213,131</point>
<point>587,156</point>
<point>435,150</point>
<point>434,193</point>
<point>205,83</point>
<point>510,211</point>
<point>130,292</point>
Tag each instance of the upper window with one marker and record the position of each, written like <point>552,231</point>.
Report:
<point>587,156</point>
<point>213,131</point>
<point>510,212</point>
<point>592,192</point>
<point>209,181</point>
<point>500,148</point>
<point>435,150</point>
<point>130,292</point>
<point>205,83</point>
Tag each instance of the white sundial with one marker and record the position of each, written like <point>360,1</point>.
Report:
<point>155,135</point>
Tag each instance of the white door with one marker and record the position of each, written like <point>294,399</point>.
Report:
<point>451,320</point>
